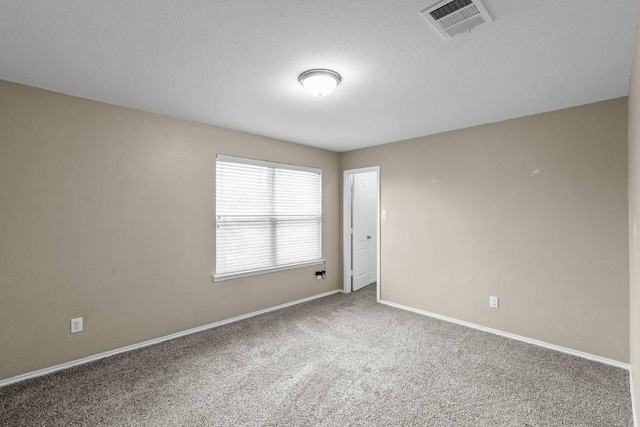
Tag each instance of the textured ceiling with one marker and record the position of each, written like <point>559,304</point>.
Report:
<point>235,63</point>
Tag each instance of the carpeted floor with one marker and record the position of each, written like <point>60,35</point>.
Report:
<point>337,361</point>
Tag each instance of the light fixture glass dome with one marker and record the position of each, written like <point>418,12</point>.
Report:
<point>319,82</point>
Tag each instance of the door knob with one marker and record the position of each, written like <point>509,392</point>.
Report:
<point>368,237</point>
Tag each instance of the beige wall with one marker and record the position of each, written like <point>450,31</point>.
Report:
<point>532,210</point>
<point>108,213</point>
<point>634,217</point>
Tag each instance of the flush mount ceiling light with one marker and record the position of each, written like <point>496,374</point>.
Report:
<point>319,82</point>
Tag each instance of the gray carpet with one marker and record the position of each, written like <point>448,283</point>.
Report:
<point>337,361</point>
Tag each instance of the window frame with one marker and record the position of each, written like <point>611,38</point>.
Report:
<point>270,269</point>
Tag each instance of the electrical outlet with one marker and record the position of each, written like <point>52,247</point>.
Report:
<point>493,302</point>
<point>76,325</point>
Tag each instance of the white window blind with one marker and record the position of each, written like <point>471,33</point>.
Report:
<point>268,216</point>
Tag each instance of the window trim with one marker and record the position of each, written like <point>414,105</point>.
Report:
<point>254,162</point>
<point>247,273</point>
<point>256,272</point>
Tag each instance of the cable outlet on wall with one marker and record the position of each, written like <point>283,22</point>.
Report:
<point>493,302</point>
<point>76,325</point>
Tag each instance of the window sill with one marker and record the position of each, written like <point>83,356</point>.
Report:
<point>231,276</point>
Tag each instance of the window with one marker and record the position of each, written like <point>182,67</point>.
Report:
<point>268,217</point>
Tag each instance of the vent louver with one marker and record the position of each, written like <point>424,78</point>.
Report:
<point>452,17</point>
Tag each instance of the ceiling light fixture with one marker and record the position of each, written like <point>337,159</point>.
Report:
<point>319,81</point>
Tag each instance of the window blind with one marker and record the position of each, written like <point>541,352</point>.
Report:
<point>268,216</point>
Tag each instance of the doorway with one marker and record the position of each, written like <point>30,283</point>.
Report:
<point>361,229</point>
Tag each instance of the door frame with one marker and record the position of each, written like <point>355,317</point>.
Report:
<point>346,228</point>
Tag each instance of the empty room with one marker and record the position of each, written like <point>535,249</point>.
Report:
<point>319,213</point>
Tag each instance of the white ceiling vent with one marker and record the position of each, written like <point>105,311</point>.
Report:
<point>452,17</point>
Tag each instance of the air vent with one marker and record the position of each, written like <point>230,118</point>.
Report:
<point>452,17</point>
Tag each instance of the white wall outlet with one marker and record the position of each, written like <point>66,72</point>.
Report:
<point>384,214</point>
<point>493,302</point>
<point>76,325</point>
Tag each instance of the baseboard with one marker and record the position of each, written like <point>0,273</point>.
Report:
<point>82,361</point>
<point>513,336</point>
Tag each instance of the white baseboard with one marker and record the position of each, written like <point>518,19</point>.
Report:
<point>513,336</point>
<point>147,343</point>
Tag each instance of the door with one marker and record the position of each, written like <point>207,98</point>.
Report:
<point>361,237</point>
<point>361,211</point>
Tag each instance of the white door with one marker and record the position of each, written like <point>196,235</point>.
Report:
<point>361,238</point>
